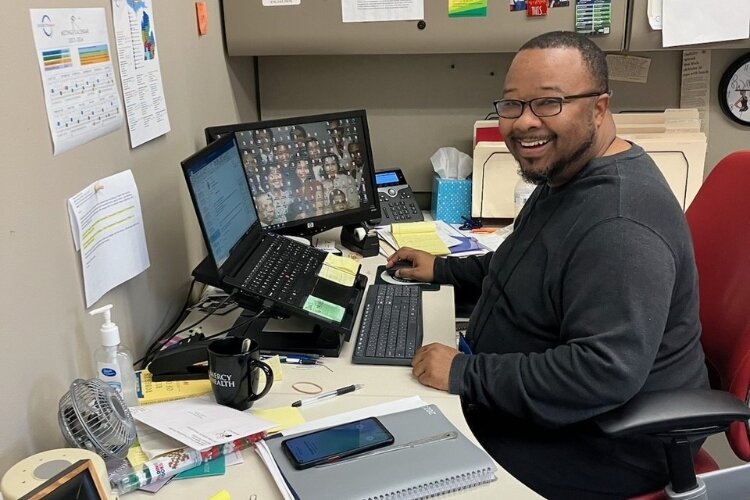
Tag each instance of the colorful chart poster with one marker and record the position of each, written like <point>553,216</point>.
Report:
<point>80,90</point>
<point>467,8</point>
<point>594,17</point>
<point>140,73</point>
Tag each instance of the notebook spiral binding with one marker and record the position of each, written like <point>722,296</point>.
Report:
<point>441,487</point>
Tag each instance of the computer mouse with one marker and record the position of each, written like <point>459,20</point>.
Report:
<point>391,271</point>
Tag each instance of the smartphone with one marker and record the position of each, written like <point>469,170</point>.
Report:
<point>334,443</point>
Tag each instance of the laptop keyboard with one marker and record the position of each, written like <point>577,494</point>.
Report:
<point>390,331</point>
<point>277,274</point>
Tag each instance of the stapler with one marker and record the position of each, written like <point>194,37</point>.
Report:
<point>182,362</point>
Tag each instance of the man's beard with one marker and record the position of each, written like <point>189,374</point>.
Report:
<point>548,177</point>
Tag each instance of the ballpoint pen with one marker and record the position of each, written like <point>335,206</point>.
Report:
<point>327,395</point>
<point>299,361</point>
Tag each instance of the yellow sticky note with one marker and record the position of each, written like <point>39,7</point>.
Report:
<point>136,457</point>
<point>222,495</point>
<point>284,417</point>
<point>336,275</point>
<point>342,263</point>
<point>275,363</point>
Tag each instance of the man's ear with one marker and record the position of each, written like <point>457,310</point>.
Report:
<point>601,108</point>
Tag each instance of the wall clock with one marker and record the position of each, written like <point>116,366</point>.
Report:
<point>734,91</point>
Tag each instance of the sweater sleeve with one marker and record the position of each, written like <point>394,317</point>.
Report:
<point>465,274</point>
<point>614,295</point>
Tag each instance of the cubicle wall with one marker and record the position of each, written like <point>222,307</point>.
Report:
<point>315,27</point>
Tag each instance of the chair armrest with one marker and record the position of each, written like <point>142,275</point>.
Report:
<point>686,412</point>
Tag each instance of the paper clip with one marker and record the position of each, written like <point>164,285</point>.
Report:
<point>98,187</point>
<point>470,224</point>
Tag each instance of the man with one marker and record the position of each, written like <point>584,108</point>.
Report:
<point>590,301</point>
<point>334,179</point>
<point>337,200</point>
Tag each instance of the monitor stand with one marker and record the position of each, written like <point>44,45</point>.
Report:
<point>289,335</point>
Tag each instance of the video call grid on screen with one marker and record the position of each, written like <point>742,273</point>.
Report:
<point>306,170</point>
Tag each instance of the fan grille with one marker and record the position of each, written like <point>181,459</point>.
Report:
<point>93,416</point>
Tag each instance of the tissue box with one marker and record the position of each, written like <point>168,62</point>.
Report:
<point>451,199</point>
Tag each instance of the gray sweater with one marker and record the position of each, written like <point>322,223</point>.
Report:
<point>592,300</point>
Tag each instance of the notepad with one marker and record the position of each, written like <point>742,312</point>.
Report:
<point>405,469</point>
<point>339,269</point>
<point>419,235</point>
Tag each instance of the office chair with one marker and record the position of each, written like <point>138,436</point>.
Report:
<point>719,220</point>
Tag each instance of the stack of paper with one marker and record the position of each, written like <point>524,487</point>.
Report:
<point>419,235</point>
<point>339,269</point>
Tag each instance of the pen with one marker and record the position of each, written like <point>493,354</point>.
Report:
<point>299,361</point>
<point>308,355</point>
<point>328,395</point>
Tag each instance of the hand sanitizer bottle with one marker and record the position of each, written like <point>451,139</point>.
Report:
<point>114,363</point>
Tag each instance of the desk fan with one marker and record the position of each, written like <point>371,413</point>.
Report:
<point>93,416</point>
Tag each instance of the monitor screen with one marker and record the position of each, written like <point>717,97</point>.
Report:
<point>308,174</point>
<point>222,197</point>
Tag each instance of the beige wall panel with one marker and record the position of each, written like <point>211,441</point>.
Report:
<point>419,103</point>
<point>47,337</point>
<point>315,27</point>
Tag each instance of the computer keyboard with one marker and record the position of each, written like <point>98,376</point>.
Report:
<point>391,327</point>
<point>283,271</point>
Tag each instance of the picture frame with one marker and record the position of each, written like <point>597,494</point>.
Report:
<point>79,481</point>
<point>734,91</point>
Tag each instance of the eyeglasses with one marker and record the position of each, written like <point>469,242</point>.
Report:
<point>541,106</point>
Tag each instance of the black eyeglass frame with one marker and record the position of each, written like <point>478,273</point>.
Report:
<point>560,100</point>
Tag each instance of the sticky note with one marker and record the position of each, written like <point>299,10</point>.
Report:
<point>342,263</point>
<point>201,11</point>
<point>284,417</point>
<point>323,308</point>
<point>222,495</point>
<point>136,456</point>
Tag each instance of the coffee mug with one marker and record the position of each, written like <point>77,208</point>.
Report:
<point>234,370</point>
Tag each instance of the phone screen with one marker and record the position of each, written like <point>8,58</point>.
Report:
<point>328,445</point>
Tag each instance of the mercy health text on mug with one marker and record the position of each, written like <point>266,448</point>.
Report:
<point>221,379</point>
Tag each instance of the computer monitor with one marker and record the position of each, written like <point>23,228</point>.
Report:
<point>310,173</point>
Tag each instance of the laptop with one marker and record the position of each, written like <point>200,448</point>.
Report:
<point>267,271</point>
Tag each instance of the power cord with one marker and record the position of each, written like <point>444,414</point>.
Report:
<point>244,324</point>
<point>156,347</point>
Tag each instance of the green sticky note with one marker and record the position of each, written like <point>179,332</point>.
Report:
<point>215,467</point>
<point>323,308</point>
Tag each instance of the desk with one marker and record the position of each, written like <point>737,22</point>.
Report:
<point>381,384</point>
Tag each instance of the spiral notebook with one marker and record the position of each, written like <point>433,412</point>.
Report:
<point>429,457</point>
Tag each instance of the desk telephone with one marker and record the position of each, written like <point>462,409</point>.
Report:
<point>397,203</point>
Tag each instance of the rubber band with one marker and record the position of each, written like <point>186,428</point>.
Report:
<point>296,385</point>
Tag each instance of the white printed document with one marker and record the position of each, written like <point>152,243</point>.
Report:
<point>80,90</point>
<point>362,11</point>
<point>107,227</point>
<point>200,422</point>
<point>140,73</point>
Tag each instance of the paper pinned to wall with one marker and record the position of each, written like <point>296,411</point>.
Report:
<point>695,83</point>
<point>107,227</point>
<point>687,23</point>
<point>625,68</point>
<point>140,73</point>
<point>80,90</point>
<point>363,11</point>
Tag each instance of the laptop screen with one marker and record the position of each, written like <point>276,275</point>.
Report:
<point>222,196</point>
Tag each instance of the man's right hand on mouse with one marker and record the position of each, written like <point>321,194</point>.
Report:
<point>422,264</point>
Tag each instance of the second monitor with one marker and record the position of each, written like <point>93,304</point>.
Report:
<point>308,174</point>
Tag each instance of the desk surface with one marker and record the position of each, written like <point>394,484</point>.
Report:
<point>381,384</point>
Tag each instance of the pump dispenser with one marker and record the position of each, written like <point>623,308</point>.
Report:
<point>114,363</point>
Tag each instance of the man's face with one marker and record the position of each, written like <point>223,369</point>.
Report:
<point>356,153</point>
<point>282,153</point>
<point>313,149</point>
<point>335,131</point>
<point>545,147</point>
<point>330,167</point>
<point>275,179</point>
<point>263,137</point>
<point>303,171</point>
<point>266,210</point>
<point>338,202</point>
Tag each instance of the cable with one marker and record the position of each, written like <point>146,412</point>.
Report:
<point>166,337</point>
<point>491,114</point>
<point>174,324</point>
<point>481,196</point>
<point>247,323</point>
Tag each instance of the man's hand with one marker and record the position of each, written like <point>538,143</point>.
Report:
<point>422,264</point>
<point>431,365</point>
